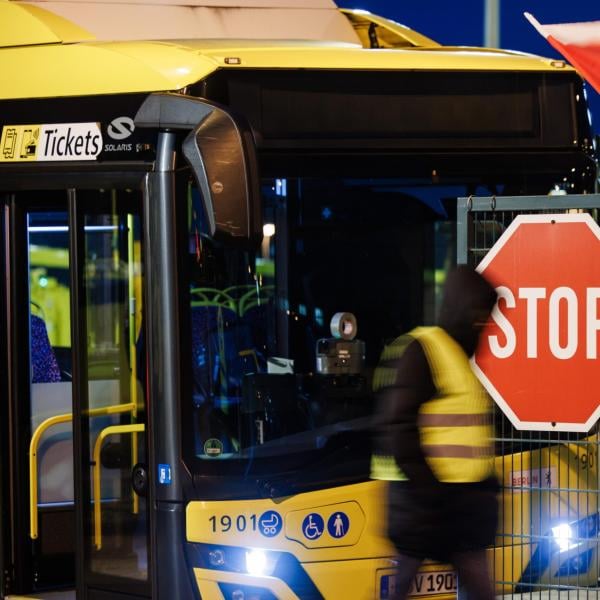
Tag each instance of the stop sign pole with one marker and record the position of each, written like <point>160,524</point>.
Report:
<point>539,354</point>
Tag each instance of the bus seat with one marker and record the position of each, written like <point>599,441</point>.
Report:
<point>204,296</point>
<point>44,366</point>
<point>210,329</point>
<point>255,321</point>
<point>238,291</point>
<point>250,299</point>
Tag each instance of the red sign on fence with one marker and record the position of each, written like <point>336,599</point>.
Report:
<point>539,356</point>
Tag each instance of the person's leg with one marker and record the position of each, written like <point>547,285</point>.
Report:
<point>474,578</point>
<point>407,567</point>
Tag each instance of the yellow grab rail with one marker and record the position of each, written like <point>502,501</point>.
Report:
<point>33,468</point>
<point>33,448</point>
<point>112,430</point>
<point>133,308</point>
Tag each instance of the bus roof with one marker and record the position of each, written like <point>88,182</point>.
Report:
<point>54,64</point>
<point>129,20</point>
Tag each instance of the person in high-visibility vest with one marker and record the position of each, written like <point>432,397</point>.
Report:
<point>433,441</point>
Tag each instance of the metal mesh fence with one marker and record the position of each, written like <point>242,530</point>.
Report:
<point>548,539</point>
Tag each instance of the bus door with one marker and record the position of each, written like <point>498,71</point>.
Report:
<point>4,430</point>
<point>72,478</point>
<point>37,452</point>
<point>111,397</point>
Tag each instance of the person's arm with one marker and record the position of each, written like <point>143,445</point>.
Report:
<point>402,400</point>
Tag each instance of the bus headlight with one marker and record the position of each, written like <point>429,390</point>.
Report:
<point>235,559</point>
<point>256,562</point>
<point>563,536</point>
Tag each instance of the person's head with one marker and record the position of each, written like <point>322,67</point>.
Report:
<point>466,306</point>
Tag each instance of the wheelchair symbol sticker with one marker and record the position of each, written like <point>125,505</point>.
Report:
<point>338,525</point>
<point>312,526</point>
<point>270,523</point>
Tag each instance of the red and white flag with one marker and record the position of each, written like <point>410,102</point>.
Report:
<point>579,43</point>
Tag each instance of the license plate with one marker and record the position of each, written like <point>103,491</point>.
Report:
<point>425,583</point>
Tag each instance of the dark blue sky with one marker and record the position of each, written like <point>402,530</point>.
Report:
<point>461,23</point>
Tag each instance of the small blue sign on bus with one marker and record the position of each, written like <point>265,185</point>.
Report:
<point>338,525</point>
<point>164,474</point>
<point>313,526</point>
<point>270,523</point>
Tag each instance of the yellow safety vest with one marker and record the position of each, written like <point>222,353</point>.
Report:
<point>455,424</point>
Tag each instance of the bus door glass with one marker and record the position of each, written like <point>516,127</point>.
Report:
<point>51,442</point>
<point>113,402</point>
<point>40,493</point>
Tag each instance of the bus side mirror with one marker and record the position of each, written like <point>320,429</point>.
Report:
<point>220,151</point>
<point>223,160</point>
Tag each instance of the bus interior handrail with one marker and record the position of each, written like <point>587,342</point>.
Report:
<point>107,431</point>
<point>33,449</point>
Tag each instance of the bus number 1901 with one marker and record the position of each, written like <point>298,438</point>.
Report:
<point>226,523</point>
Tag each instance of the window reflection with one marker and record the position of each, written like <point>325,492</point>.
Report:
<point>115,412</point>
<point>268,376</point>
<point>49,354</point>
<point>230,296</point>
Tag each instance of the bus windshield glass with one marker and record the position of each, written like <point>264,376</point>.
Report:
<point>272,385</point>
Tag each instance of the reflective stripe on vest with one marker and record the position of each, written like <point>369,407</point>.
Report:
<point>455,425</point>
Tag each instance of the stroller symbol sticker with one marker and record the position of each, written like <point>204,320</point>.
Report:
<point>313,526</point>
<point>270,523</point>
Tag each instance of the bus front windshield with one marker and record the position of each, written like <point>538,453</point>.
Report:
<point>272,388</point>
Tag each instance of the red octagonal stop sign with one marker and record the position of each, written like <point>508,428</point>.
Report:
<point>539,355</point>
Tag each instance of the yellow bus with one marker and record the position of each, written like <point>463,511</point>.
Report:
<point>214,218</point>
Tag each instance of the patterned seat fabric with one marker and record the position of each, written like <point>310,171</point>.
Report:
<point>44,366</point>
